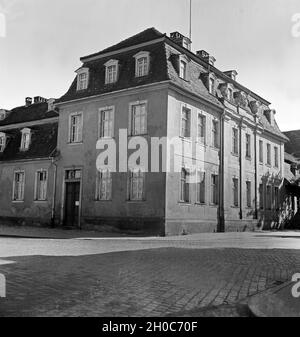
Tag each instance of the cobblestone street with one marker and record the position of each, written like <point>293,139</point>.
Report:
<point>150,277</point>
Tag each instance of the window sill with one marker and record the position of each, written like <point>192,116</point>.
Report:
<point>74,143</point>
<point>135,201</point>
<point>248,158</point>
<point>17,201</point>
<point>185,203</point>
<point>235,207</point>
<point>100,200</point>
<point>215,148</point>
<point>235,154</point>
<point>139,135</point>
<point>213,205</point>
<point>200,203</point>
<point>40,201</point>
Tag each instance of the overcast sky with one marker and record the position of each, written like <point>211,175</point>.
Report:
<point>44,39</point>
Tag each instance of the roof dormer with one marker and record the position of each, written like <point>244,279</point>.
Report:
<point>2,141</point>
<point>25,139</point>
<point>82,78</point>
<point>142,63</point>
<point>111,71</point>
<point>3,114</point>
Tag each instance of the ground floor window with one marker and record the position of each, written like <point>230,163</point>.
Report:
<point>184,186</point>
<point>41,185</point>
<point>104,185</point>
<point>248,192</point>
<point>261,196</point>
<point>136,185</point>
<point>200,187</point>
<point>269,197</point>
<point>18,186</point>
<point>214,189</point>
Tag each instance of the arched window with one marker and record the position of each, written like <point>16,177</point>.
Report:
<point>2,141</point>
<point>142,63</point>
<point>82,78</point>
<point>25,139</point>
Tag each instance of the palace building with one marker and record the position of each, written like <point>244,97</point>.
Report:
<point>151,85</point>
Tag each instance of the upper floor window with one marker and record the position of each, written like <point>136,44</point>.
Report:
<point>261,196</point>
<point>185,122</point>
<point>106,122</point>
<point>2,115</point>
<point>2,141</point>
<point>25,139</point>
<point>201,128</point>
<point>261,151</point>
<point>276,162</point>
<point>142,63</point>
<point>138,118</point>
<point>82,78</point>
<point>215,134</point>
<point>111,72</point>
<point>235,141</point>
<point>248,146</point>
<point>268,154</point>
<point>18,186</point>
<point>41,185</point>
<point>75,128</point>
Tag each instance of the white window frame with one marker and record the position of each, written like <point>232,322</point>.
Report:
<point>2,141</point>
<point>80,84</point>
<point>189,121</point>
<point>38,189</point>
<point>261,151</point>
<point>142,69</point>
<point>276,157</point>
<point>22,190</point>
<point>79,132</point>
<point>235,141</point>
<point>132,120</point>
<point>248,194</point>
<point>269,160</point>
<point>248,145</point>
<point>25,139</point>
<point>214,189</point>
<point>212,88</point>
<point>104,180</point>
<point>139,194</point>
<point>200,188</point>
<point>201,138</point>
<point>110,121</point>
<point>235,192</point>
<point>111,77</point>
<point>215,134</point>
<point>186,183</point>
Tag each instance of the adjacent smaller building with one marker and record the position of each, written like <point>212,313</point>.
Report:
<point>28,140</point>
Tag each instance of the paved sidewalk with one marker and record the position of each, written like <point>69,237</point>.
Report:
<point>276,302</point>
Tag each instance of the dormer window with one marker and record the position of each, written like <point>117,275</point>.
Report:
<point>2,141</point>
<point>25,139</point>
<point>211,85</point>
<point>230,94</point>
<point>183,63</point>
<point>142,64</point>
<point>111,72</point>
<point>82,78</point>
<point>3,114</point>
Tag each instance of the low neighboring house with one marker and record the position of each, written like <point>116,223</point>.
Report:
<point>28,140</point>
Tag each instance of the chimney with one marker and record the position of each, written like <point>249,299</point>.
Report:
<point>51,104</point>
<point>28,101</point>
<point>231,73</point>
<point>206,57</point>
<point>270,115</point>
<point>39,99</point>
<point>181,40</point>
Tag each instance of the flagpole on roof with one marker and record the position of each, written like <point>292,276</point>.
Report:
<point>190,33</point>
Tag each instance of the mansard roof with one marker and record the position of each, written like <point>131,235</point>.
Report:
<point>293,145</point>
<point>33,112</point>
<point>163,67</point>
<point>42,145</point>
